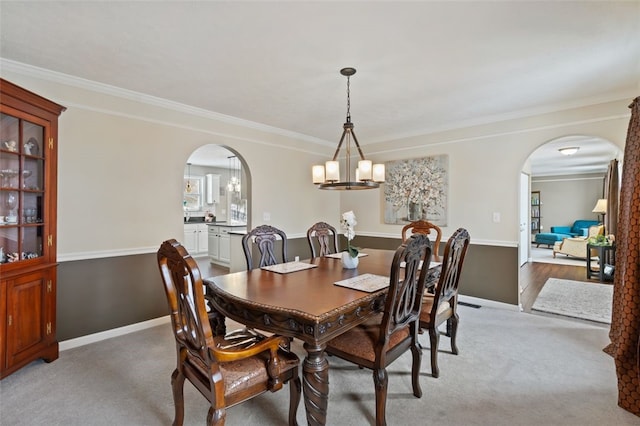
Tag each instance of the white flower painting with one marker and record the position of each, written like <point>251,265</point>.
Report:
<point>417,189</point>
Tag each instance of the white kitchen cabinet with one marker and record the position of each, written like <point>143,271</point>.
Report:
<point>196,240</point>
<point>213,189</point>
<point>224,250</point>
<point>220,244</point>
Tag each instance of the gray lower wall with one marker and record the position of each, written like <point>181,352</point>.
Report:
<point>101,294</point>
<point>489,272</point>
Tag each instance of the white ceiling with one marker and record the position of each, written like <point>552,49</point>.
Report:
<point>593,156</point>
<point>422,66</point>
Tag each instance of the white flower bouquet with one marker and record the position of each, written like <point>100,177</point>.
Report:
<point>348,223</point>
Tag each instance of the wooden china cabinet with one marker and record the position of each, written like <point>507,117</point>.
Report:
<point>28,179</point>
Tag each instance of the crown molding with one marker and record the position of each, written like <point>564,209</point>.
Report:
<point>81,83</point>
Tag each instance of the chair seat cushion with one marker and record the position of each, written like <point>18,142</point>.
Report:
<point>249,372</point>
<point>427,305</point>
<point>361,341</point>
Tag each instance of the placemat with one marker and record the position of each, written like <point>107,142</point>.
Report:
<point>286,268</point>
<point>339,255</point>
<point>365,282</point>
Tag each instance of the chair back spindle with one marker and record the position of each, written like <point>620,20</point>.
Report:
<point>264,237</point>
<point>326,237</point>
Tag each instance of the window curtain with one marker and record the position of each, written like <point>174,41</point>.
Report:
<point>625,318</point>
<point>612,194</point>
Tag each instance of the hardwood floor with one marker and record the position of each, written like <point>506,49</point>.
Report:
<point>208,269</point>
<point>533,275</point>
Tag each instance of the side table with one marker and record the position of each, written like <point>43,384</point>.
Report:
<point>606,262</point>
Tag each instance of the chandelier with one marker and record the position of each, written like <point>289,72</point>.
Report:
<point>233,184</point>
<point>367,174</point>
<point>188,188</point>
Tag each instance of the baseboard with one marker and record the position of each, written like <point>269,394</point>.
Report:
<point>115,332</point>
<point>488,303</point>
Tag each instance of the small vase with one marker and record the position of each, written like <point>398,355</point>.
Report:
<point>349,262</point>
<point>414,211</point>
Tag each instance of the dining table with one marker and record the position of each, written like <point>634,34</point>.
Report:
<point>301,300</point>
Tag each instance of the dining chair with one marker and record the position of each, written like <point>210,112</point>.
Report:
<point>379,341</point>
<point>265,237</point>
<point>326,237</point>
<point>442,305</point>
<point>423,227</point>
<point>226,369</point>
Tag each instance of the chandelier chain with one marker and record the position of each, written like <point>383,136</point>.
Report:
<point>348,100</point>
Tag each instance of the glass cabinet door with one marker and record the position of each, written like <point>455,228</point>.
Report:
<point>22,189</point>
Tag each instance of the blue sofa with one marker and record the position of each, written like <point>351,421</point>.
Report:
<point>558,233</point>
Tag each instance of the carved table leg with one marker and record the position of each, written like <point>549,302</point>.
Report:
<point>216,320</point>
<point>315,384</point>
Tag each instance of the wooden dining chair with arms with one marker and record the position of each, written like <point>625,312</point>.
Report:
<point>226,370</point>
<point>443,304</point>
<point>424,227</point>
<point>325,237</point>
<point>379,341</point>
<point>265,237</point>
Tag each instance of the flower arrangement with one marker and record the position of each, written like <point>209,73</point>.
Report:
<point>601,240</point>
<point>348,223</point>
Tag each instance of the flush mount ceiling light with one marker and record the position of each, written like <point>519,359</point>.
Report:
<point>367,174</point>
<point>570,150</point>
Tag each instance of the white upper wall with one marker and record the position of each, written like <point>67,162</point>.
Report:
<point>121,165</point>
<point>484,167</point>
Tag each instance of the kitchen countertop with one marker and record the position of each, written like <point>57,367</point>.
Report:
<point>223,223</point>
<point>200,220</point>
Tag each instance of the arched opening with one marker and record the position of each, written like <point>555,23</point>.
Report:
<point>216,203</point>
<point>561,190</point>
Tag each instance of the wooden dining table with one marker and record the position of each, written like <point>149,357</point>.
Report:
<point>305,305</point>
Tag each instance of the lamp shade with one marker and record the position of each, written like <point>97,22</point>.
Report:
<point>378,172</point>
<point>332,171</point>
<point>601,206</point>
<point>318,174</point>
<point>364,169</point>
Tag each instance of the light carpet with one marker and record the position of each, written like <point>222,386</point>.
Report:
<point>590,301</point>
<point>514,369</point>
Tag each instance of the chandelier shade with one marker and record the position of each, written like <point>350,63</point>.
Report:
<point>366,176</point>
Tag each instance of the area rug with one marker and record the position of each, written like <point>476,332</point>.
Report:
<point>590,301</point>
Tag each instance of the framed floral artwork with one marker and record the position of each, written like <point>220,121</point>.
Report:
<point>416,189</point>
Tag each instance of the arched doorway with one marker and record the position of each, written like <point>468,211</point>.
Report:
<point>562,189</point>
<point>217,206</point>
<point>233,202</point>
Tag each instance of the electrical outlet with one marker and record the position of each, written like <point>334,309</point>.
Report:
<point>266,216</point>
<point>496,217</point>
